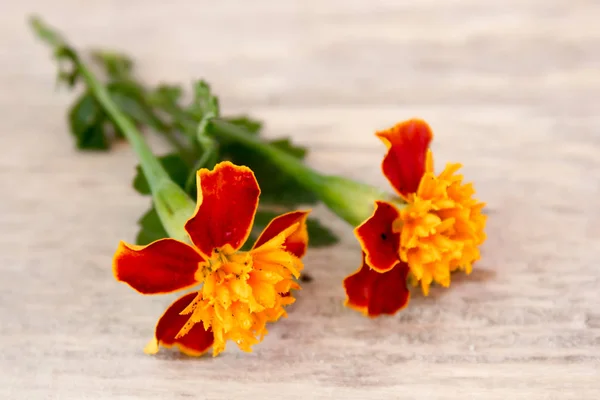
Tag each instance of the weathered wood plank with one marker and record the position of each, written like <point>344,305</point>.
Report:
<point>511,90</point>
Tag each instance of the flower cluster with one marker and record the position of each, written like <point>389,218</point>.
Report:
<point>432,229</point>
<point>241,290</point>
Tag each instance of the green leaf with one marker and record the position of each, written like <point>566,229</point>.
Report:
<point>151,228</point>
<point>131,100</point>
<point>166,99</point>
<point>205,103</point>
<point>251,125</point>
<point>287,146</point>
<point>165,96</point>
<point>318,234</point>
<point>87,123</point>
<point>173,164</point>
<point>117,65</point>
<point>277,187</point>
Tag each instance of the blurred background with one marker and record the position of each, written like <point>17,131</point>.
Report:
<point>491,64</point>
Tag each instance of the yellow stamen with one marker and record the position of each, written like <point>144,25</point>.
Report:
<point>243,291</point>
<point>440,228</point>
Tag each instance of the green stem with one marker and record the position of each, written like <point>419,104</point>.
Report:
<point>172,204</point>
<point>151,167</point>
<point>350,200</point>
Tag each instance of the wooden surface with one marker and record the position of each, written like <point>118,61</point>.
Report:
<point>512,90</point>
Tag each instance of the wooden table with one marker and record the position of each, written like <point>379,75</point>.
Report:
<point>512,90</point>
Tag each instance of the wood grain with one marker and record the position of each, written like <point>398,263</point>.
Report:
<point>512,90</point>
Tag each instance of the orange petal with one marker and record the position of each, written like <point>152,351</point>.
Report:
<point>297,242</point>
<point>404,163</point>
<point>227,201</point>
<point>374,293</point>
<point>377,238</point>
<point>194,343</point>
<point>163,266</point>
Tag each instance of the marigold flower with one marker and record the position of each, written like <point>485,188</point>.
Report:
<point>431,230</point>
<point>241,290</point>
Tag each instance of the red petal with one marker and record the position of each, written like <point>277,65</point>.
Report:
<point>377,238</point>
<point>163,266</point>
<point>374,293</point>
<point>297,242</point>
<point>194,343</point>
<point>404,163</point>
<point>227,201</point>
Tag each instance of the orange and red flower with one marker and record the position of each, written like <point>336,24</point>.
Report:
<point>434,228</point>
<point>241,290</point>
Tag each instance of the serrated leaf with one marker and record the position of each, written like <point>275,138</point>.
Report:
<point>173,164</point>
<point>87,123</point>
<point>318,234</point>
<point>151,228</point>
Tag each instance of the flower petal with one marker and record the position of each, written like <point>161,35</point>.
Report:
<point>195,342</point>
<point>377,238</point>
<point>404,163</point>
<point>374,293</point>
<point>163,266</point>
<point>297,242</point>
<point>227,201</point>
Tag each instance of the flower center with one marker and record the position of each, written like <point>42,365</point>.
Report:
<point>224,263</point>
<point>440,228</point>
<point>241,292</point>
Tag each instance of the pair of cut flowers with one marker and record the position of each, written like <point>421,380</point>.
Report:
<point>241,290</point>
<point>432,229</point>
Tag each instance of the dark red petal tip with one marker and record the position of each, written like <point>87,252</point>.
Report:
<point>194,343</point>
<point>374,293</point>
<point>297,242</point>
<point>227,201</point>
<point>404,163</point>
<point>163,266</point>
